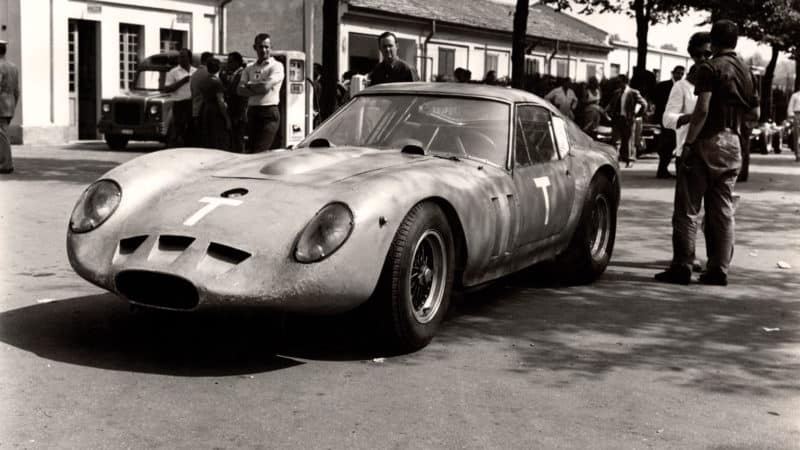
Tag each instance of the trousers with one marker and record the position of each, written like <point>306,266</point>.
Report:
<point>262,127</point>
<point>706,174</point>
<point>6,161</point>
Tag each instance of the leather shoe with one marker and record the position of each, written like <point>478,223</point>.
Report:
<point>675,275</point>
<point>713,278</point>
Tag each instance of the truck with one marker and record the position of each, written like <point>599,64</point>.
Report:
<point>144,113</point>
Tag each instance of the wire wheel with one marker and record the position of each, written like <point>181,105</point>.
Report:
<point>428,276</point>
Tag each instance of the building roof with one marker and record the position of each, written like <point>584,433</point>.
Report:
<point>543,21</point>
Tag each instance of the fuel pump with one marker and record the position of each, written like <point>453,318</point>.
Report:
<point>293,99</point>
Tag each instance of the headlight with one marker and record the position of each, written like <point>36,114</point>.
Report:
<point>106,108</point>
<point>326,232</point>
<point>154,110</point>
<point>96,204</point>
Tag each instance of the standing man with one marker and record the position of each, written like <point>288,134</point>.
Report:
<point>237,105</point>
<point>563,97</point>
<point>666,140</point>
<point>199,82</point>
<point>391,69</point>
<point>9,96</point>
<point>711,159</point>
<point>623,110</point>
<point>261,84</point>
<point>177,81</point>
<point>793,113</point>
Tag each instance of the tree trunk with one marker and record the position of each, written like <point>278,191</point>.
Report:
<point>330,57</point>
<point>518,44</point>
<point>797,70</point>
<point>642,28</point>
<point>766,86</point>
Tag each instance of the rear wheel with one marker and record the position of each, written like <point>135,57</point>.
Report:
<point>116,141</point>
<point>417,278</point>
<point>590,250</point>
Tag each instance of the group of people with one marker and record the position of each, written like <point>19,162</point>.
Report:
<point>215,108</point>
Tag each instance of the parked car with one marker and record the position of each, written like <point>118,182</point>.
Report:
<point>410,191</point>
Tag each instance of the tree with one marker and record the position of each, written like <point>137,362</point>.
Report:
<point>518,44</point>
<point>646,13</point>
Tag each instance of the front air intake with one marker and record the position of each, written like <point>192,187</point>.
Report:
<point>157,289</point>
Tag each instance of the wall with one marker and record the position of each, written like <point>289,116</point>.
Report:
<point>625,55</point>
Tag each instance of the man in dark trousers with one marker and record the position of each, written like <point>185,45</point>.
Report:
<point>237,105</point>
<point>711,159</point>
<point>261,83</point>
<point>666,140</point>
<point>623,110</point>
<point>9,97</point>
<point>391,69</point>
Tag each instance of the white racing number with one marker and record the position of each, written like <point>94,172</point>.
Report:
<point>543,183</point>
<point>212,204</point>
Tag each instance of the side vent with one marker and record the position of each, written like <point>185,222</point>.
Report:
<point>129,245</point>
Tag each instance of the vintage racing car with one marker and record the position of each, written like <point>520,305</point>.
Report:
<point>406,193</point>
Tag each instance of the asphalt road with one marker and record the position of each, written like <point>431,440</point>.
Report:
<point>527,363</point>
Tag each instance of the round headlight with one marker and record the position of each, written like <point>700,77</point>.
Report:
<point>96,204</point>
<point>106,108</point>
<point>326,232</point>
<point>154,110</point>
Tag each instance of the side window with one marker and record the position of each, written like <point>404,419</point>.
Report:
<point>562,139</point>
<point>534,136</point>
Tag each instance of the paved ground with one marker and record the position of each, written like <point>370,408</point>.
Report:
<point>623,363</point>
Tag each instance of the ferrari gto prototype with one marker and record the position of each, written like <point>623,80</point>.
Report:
<point>410,191</point>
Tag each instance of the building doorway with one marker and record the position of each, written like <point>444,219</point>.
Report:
<point>84,77</point>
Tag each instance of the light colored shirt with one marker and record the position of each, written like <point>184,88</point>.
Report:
<point>271,74</point>
<point>794,104</point>
<point>176,74</point>
<point>564,101</point>
<point>681,101</point>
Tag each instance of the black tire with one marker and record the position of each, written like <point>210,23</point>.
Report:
<point>418,271</point>
<point>116,141</point>
<point>591,246</point>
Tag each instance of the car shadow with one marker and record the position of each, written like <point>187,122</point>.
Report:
<point>80,171</point>
<point>138,146</point>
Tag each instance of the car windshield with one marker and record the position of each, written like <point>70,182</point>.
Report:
<point>453,126</point>
<point>149,80</point>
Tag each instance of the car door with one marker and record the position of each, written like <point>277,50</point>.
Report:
<point>542,178</point>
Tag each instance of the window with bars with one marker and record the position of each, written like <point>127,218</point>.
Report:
<point>591,71</point>
<point>447,61</point>
<point>72,57</point>
<point>172,39</point>
<point>130,37</point>
<point>561,69</point>
<point>531,66</point>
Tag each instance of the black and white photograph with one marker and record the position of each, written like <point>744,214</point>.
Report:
<point>400,224</point>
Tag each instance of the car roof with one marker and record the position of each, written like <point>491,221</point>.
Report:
<point>457,89</point>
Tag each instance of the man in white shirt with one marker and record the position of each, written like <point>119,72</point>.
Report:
<point>793,112</point>
<point>177,82</point>
<point>563,98</point>
<point>261,84</point>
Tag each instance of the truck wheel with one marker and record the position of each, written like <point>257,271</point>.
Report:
<point>591,246</point>
<point>116,141</point>
<point>417,278</point>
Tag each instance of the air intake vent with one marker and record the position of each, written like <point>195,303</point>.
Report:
<point>169,243</point>
<point>129,245</point>
<point>157,289</point>
<point>227,254</point>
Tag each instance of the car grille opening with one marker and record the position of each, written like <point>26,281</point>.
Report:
<point>157,289</point>
<point>128,113</point>
<point>170,243</point>
<point>227,254</point>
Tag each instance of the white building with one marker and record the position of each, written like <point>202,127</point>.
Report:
<point>72,53</point>
<point>622,60</point>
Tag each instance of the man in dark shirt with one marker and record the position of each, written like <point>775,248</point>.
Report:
<point>392,69</point>
<point>666,140</point>
<point>711,159</point>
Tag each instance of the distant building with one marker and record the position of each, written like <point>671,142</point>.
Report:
<point>72,53</point>
<point>622,59</point>
<point>436,36</point>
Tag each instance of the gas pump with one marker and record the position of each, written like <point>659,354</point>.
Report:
<point>293,99</point>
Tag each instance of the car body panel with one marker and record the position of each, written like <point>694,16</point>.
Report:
<point>176,216</point>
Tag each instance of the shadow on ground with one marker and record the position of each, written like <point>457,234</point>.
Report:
<point>82,171</point>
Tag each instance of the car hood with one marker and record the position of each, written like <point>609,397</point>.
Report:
<point>315,166</point>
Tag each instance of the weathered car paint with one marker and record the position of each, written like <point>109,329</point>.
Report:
<point>162,191</point>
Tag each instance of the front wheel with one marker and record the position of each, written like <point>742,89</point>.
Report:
<point>418,278</point>
<point>591,246</point>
